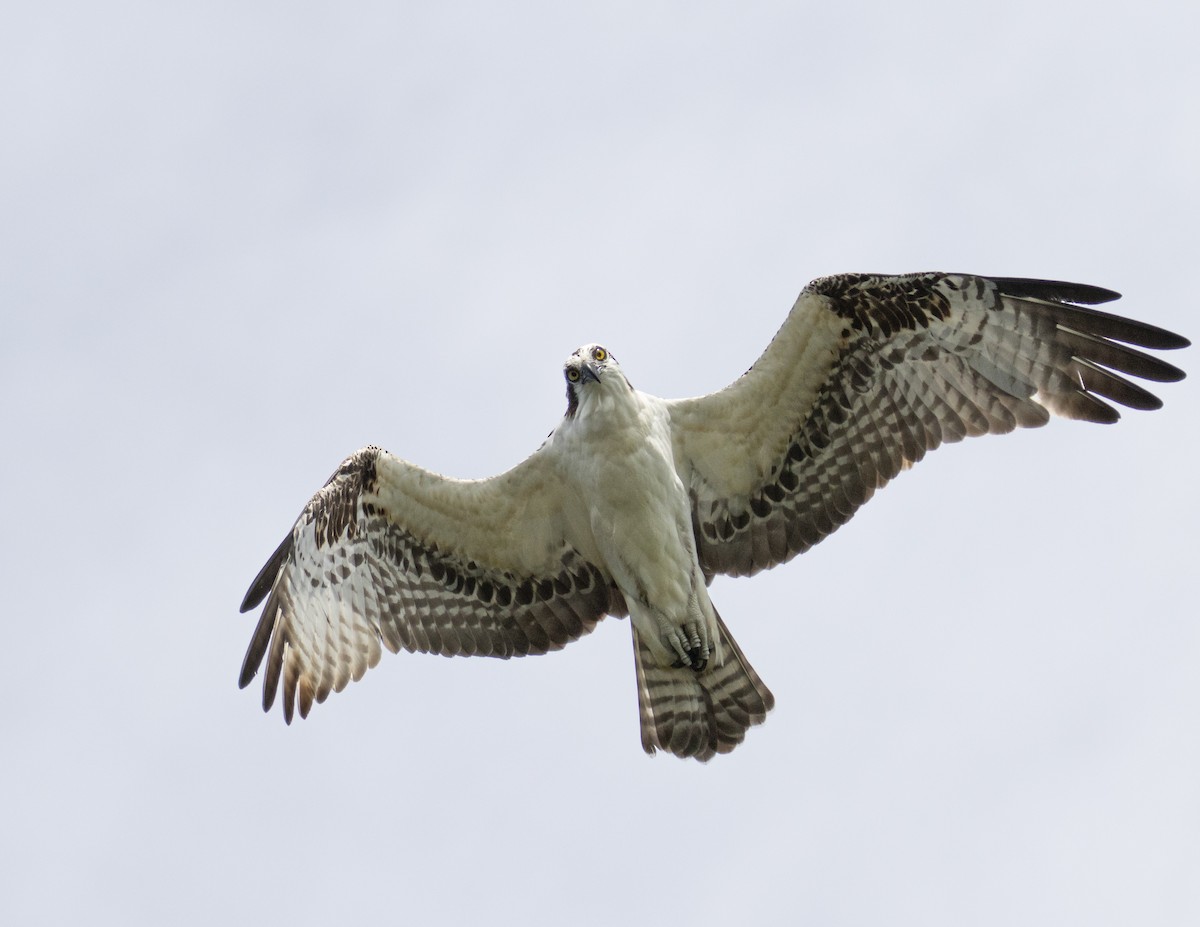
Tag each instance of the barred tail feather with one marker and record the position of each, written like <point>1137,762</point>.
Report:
<point>701,714</point>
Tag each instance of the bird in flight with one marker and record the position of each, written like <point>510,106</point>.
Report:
<point>634,503</point>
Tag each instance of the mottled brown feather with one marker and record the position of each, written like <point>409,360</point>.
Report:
<point>920,360</point>
<point>351,578</point>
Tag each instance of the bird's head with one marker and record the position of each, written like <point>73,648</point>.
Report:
<point>589,371</point>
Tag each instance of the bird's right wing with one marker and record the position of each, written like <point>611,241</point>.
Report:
<point>868,373</point>
<point>390,554</point>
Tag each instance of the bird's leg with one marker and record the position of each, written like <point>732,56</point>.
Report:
<point>690,646</point>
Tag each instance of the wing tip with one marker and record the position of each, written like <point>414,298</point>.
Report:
<point>1170,341</point>
<point>1062,291</point>
<point>264,580</point>
<point>1072,296</point>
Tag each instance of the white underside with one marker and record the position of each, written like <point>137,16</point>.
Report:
<point>617,452</point>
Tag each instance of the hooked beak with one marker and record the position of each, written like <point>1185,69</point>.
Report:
<point>589,371</point>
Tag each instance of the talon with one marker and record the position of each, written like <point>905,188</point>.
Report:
<point>675,638</point>
<point>694,661</point>
<point>689,647</point>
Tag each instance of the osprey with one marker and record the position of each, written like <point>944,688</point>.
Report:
<point>634,503</point>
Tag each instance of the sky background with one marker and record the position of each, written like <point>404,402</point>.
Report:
<point>240,240</point>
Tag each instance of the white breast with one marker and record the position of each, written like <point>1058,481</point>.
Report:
<point>619,455</point>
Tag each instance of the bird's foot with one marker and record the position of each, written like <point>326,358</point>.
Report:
<point>690,645</point>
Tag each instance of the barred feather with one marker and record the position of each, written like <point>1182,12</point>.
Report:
<point>699,714</point>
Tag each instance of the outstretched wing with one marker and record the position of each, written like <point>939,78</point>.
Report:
<point>870,372</point>
<point>390,554</point>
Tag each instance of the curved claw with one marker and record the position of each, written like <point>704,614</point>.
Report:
<point>689,647</point>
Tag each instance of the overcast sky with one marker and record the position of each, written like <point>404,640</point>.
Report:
<point>241,240</point>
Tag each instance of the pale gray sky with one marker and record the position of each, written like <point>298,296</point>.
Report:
<point>242,240</point>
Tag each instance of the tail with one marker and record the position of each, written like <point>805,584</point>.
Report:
<point>699,714</point>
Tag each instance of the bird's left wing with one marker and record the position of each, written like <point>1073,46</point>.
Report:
<point>390,554</point>
<point>868,373</point>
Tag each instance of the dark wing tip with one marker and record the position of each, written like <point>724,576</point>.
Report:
<point>266,576</point>
<point>258,645</point>
<point>1056,290</point>
<point>1140,333</point>
<point>1129,331</point>
<point>1169,341</point>
<point>1106,325</point>
<point>263,583</point>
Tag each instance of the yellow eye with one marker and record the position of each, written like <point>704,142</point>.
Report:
<point>599,354</point>
<point>573,374</point>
